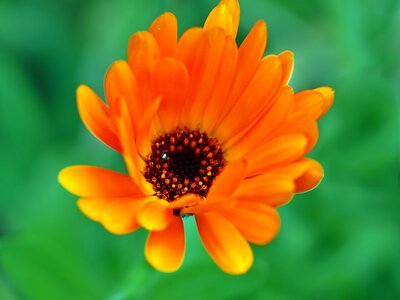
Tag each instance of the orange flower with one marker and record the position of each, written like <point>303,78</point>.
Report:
<point>207,129</point>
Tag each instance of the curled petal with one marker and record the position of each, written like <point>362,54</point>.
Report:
<point>310,178</point>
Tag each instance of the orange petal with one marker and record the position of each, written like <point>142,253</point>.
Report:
<point>119,216</point>
<point>299,123</point>
<point>143,53</point>
<point>148,128</point>
<point>170,82</point>
<point>87,181</point>
<point>293,170</point>
<point>234,10</point>
<point>249,56</point>
<point>225,15</point>
<point>155,215</point>
<point>165,249</point>
<point>257,96</point>
<point>228,181</point>
<point>226,73</point>
<point>220,17</point>
<point>96,116</point>
<point>328,93</point>
<point>271,189</point>
<point>194,52</point>
<point>130,153</point>
<point>165,31</point>
<point>268,122</point>
<point>206,79</point>
<point>280,151</point>
<point>310,178</point>
<point>93,207</point>
<point>224,243</point>
<point>121,83</point>
<point>257,222</point>
<point>314,103</point>
<point>286,58</point>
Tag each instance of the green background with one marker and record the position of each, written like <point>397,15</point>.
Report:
<point>340,241</point>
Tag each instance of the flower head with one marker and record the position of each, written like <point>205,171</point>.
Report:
<point>207,129</point>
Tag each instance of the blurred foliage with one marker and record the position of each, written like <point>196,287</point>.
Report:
<point>340,241</point>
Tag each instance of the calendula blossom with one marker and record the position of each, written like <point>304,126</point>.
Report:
<point>208,129</point>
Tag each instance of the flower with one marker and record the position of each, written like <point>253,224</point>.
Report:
<point>206,129</point>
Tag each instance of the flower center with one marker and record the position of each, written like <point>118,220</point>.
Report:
<point>183,161</point>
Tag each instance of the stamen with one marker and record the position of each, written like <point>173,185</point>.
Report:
<point>183,161</point>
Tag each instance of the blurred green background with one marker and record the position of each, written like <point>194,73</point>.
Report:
<point>340,241</point>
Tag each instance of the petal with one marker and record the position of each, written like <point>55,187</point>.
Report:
<point>96,116</point>
<point>121,83</point>
<point>299,123</point>
<point>271,189</point>
<point>310,178</point>
<point>165,31</point>
<point>87,181</point>
<point>220,17</point>
<point>225,15</point>
<point>207,78</point>
<point>257,96</point>
<point>257,222</point>
<point>130,153</point>
<point>143,53</point>
<point>228,181</point>
<point>249,57</point>
<point>119,216</point>
<point>155,215</point>
<point>194,52</point>
<point>267,123</point>
<point>170,82</point>
<point>92,207</point>
<point>314,103</point>
<point>234,10</point>
<point>286,58</point>
<point>165,249</point>
<point>279,151</point>
<point>224,243</point>
<point>293,170</point>
<point>217,101</point>
<point>148,128</point>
